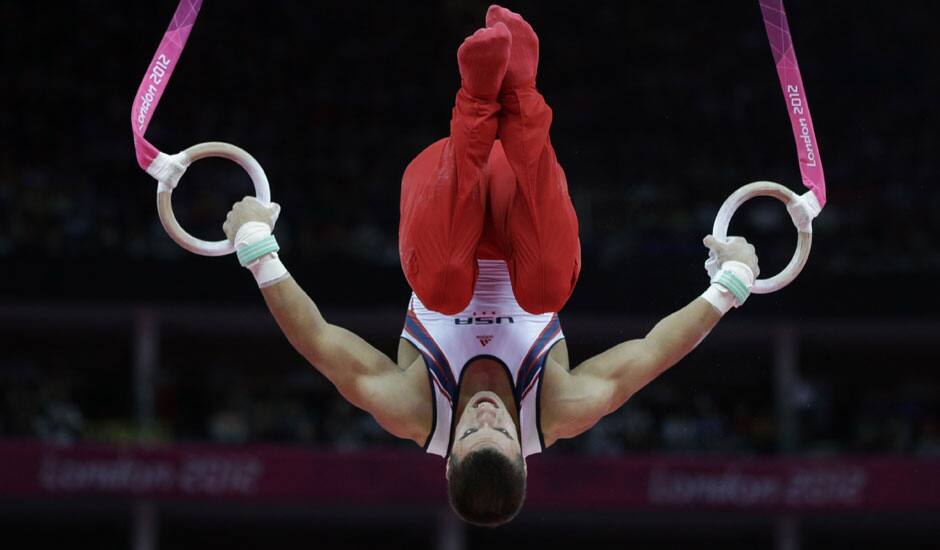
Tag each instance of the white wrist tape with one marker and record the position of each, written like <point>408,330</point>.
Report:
<point>268,270</point>
<point>257,251</point>
<point>719,298</point>
<point>250,233</point>
<point>730,286</point>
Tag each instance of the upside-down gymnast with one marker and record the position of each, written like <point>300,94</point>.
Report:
<point>489,244</point>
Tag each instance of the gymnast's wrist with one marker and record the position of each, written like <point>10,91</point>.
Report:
<point>730,287</point>
<point>257,249</point>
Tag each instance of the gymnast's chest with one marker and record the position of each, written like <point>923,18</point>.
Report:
<point>504,336</point>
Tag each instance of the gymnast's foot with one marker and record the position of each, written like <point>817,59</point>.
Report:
<point>524,56</point>
<point>483,59</point>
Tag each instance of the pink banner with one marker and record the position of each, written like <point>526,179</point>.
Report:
<point>262,473</point>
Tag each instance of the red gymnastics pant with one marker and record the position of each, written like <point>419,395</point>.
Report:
<point>475,196</point>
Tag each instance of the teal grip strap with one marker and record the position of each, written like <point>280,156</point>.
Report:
<point>253,251</point>
<point>732,283</point>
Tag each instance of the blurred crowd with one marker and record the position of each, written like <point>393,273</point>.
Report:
<point>239,406</point>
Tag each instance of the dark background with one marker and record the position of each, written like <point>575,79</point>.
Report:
<point>660,112</point>
<point>662,109</point>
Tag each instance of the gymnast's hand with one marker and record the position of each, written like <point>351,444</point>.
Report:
<point>735,249</point>
<point>247,210</point>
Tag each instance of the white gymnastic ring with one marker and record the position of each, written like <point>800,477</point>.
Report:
<point>187,157</point>
<point>804,239</point>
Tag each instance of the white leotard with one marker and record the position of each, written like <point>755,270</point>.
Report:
<point>493,326</point>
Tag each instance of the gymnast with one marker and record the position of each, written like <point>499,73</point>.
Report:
<point>489,245</point>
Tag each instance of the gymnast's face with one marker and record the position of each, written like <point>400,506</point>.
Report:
<point>485,423</point>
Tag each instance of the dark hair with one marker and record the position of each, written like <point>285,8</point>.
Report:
<point>486,487</point>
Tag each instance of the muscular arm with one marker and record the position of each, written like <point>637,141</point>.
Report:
<point>399,399</point>
<point>366,377</point>
<point>574,401</point>
<point>631,365</point>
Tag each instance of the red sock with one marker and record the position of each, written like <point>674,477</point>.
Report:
<point>524,55</point>
<point>483,59</point>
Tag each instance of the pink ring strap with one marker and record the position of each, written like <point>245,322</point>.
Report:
<point>788,71</point>
<point>158,76</point>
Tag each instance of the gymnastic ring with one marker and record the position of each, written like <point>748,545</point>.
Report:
<point>804,229</point>
<point>181,162</point>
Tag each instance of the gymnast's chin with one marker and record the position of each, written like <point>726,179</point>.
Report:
<point>486,471</point>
